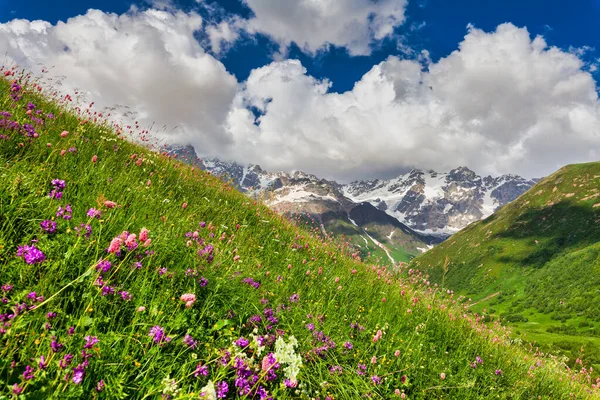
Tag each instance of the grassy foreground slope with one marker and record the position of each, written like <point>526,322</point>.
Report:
<point>126,274</point>
<point>535,262</point>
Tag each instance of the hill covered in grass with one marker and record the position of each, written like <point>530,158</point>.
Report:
<point>535,262</point>
<point>127,274</point>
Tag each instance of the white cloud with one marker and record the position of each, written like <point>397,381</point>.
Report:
<point>316,24</point>
<point>149,61</point>
<point>501,103</point>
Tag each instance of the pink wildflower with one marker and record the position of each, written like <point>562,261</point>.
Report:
<point>64,134</point>
<point>188,299</point>
<point>94,158</point>
<point>143,235</point>
<point>115,245</point>
<point>110,204</point>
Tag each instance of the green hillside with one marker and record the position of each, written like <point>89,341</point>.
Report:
<point>535,263</point>
<point>126,274</point>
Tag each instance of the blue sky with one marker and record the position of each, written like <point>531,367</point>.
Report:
<point>357,89</point>
<point>562,24</point>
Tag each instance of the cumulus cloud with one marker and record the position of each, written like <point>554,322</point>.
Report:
<point>148,61</point>
<point>314,25</point>
<point>501,103</point>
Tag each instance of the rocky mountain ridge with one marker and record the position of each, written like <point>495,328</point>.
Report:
<point>430,203</point>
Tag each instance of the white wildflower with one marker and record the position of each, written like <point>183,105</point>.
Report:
<point>285,354</point>
<point>208,392</point>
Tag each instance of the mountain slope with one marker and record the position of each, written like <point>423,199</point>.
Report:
<point>426,206</point>
<point>126,274</point>
<point>536,256</point>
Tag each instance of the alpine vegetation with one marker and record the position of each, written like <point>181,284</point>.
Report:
<point>127,274</point>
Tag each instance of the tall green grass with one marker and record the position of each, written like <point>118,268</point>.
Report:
<point>362,331</point>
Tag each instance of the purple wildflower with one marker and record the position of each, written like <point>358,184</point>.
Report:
<point>90,341</point>
<point>66,361</point>
<point>103,265</point>
<point>126,295</point>
<point>107,290</point>
<point>7,288</point>
<point>43,364</point>
<point>376,380</point>
<point>361,369</point>
<point>242,342</point>
<point>78,374</point>
<point>48,226</point>
<point>93,213</point>
<point>201,370</point>
<point>222,389</point>
<point>158,335</point>
<point>190,342</point>
<point>56,346</point>
<point>31,254</point>
<point>294,298</point>
<point>65,213</point>
<point>16,389</point>
<point>28,373</point>
<point>203,281</point>
<point>348,345</point>
<point>498,372</point>
<point>51,315</point>
<point>100,386</point>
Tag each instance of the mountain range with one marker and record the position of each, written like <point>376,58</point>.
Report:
<point>396,218</point>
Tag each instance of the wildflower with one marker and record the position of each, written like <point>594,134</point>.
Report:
<point>443,376</point>
<point>498,372</point>
<point>103,265</point>
<point>93,213</point>
<point>184,205</point>
<point>64,134</point>
<point>336,369</point>
<point>158,335</point>
<point>42,364</point>
<point>310,327</point>
<point>31,254</point>
<point>131,241</point>
<point>242,342</point>
<point>188,299</point>
<point>348,345</point>
<point>7,288</point>
<point>100,385</point>
<point>143,235</point>
<point>78,374</point>
<point>397,353</point>
<point>376,380</point>
<point>48,226</point>
<point>110,204</point>
<point>190,342</point>
<point>203,281</point>
<point>201,370</point>
<point>377,336</point>
<point>28,373</point>
<point>56,346</point>
<point>66,361</point>
<point>115,245</point>
<point>94,158</point>
<point>51,315</point>
<point>16,389</point>
<point>294,298</point>
<point>141,309</point>
<point>107,290</point>
<point>222,389</point>
<point>126,295</point>
<point>90,341</point>
<point>65,213</point>
<point>374,360</point>
<point>208,392</point>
